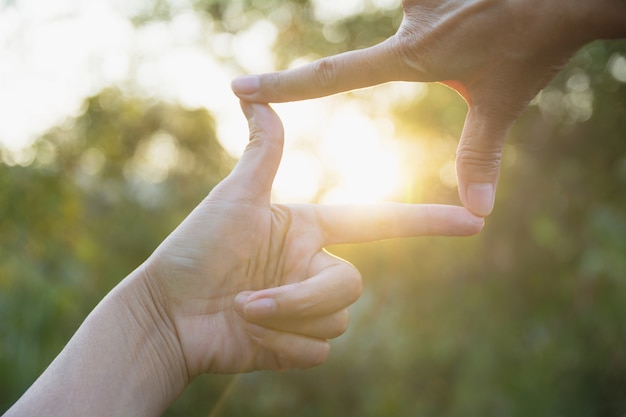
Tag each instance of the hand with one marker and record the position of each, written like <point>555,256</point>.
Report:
<point>240,285</point>
<point>496,54</point>
<point>247,285</point>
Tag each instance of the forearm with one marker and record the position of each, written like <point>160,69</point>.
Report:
<point>121,361</point>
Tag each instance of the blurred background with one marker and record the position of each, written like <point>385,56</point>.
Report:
<point>117,118</point>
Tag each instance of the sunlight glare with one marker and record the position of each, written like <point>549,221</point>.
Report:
<point>54,57</point>
<point>334,153</point>
<point>327,12</point>
<point>299,177</point>
<point>363,156</point>
<point>252,47</point>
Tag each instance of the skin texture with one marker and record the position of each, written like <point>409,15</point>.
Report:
<point>497,54</point>
<point>272,263</point>
<point>240,285</point>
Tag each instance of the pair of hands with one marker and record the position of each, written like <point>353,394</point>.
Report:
<point>240,285</point>
<point>243,284</point>
<point>496,53</point>
<point>264,293</point>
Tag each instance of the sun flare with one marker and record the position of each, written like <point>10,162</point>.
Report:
<point>334,153</point>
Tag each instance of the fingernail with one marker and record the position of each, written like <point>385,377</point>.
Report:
<point>480,198</point>
<point>240,301</point>
<point>260,309</point>
<point>246,84</point>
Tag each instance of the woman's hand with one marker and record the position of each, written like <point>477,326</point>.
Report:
<point>496,53</point>
<point>240,285</point>
<point>244,284</point>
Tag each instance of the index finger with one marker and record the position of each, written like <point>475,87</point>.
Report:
<point>334,284</point>
<point>347,71</point>
<point>367,223</point>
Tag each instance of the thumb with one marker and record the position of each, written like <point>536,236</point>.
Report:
<point>478,158</point>
<point>254,173</point>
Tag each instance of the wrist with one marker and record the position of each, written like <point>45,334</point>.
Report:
<point>123,360</point>
<point>151,335</point>
<point>138,353</point>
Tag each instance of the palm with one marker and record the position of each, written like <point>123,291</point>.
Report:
<point>237,246</point>
<point>261,247</point>
<point>236,241</point>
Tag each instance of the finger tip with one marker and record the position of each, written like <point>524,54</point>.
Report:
<point>477,224</point>
<point>269,119</point>
<point>479,210</point>
<point>260,309</point>
<point>479,198</point>
<point>263,116</point>
<point>467,222</point>
<point>240,301</point>
<point>245,85</point>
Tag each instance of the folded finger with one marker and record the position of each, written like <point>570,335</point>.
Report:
<point>287,350</point>
<point>335,285</point>
<point>322,327</point>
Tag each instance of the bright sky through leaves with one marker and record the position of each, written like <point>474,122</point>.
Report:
<point>54,54</point>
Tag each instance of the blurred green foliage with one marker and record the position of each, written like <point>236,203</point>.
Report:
<point>301,35</point>
<point>529,318</point>
<point>82,216</point>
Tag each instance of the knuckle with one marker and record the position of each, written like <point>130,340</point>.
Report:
<point>341,323</point>
<point>324,71</point>
<point>319,356</point>
<point>413,49</point>
<point>404,44</point>
<point>314,355</point>
<point>255,138</point>
<point>485,160</point>
<point>354,284</point>
<point>274,82</point>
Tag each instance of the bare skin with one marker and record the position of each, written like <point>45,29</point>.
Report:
<point>240,285</point>
<point>497,54</point>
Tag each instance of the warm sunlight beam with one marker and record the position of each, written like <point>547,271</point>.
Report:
<point>336,154</point>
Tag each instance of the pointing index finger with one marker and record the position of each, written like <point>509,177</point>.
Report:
<point>347,71</point>
<point>360,224</point>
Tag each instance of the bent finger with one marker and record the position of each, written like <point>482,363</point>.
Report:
<point>254,173</point>
<point>287,350</point>
<point>335,285</point>
<point>322,327</point>
<point>478,158</point>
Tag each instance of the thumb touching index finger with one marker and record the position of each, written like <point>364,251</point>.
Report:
<point>254,173</point>
<point>478,158</point>
<point>347,71</point>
